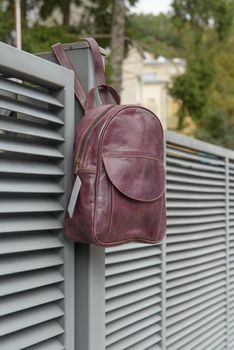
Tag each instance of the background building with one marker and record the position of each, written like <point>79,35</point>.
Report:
<point>146,81</point>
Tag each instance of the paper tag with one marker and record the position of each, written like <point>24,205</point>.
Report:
<point>74,196</point>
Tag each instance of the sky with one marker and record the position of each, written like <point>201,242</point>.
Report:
<point>152,6</point>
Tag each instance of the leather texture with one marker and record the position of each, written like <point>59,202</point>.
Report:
<point>103,87</point>
<point>98,67</point>
<point>119,157</point>
<point>122,196</point>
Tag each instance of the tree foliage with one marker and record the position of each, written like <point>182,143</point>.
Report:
<point>202,32</point>
<point>203,93</point>
<point>200,14</point>
<point>156,34</point>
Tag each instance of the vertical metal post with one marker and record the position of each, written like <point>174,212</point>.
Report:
<point>90,297</point>
<point>67,97</point>
<point>163,294</point>
<point>227,236</point>
<point>18,30</point>
<point>89,266</point>
<point>163,275</point>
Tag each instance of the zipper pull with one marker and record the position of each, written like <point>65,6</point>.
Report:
<point>76,165</point>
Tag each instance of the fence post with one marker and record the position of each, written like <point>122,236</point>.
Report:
<point>163,294</point>
<point>89,260</point>
<point>163,271</point>
<point>227,250</point>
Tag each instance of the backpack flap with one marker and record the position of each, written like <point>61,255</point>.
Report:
<point>138,177</point>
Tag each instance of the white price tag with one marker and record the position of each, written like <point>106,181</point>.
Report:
<point>74,196</point>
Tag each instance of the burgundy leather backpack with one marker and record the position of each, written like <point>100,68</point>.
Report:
<point>119,158</point>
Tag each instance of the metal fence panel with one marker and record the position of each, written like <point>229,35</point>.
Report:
<point>178,295</point>
<point>133,297</point>
<point>195,250</point>
<point>89,260</point>
<point>33,160</point>
<point>230,254</point>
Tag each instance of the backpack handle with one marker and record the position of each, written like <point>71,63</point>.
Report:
<point>107,88</point>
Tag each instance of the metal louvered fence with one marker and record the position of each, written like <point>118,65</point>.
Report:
<point>179,295</point>
<point>36,118</point>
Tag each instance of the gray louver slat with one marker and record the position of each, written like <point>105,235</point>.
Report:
<point>195,166</point>
<point>196,189</point>
<point>23,90</point>
<point>33,161</point>
<point>197,181</point>
<point>15,165</point>
<point>119,339</point>
<point>132,276</point>
<point>30,110</point>
<point>25,205</point>
<point>29,280</point>
<point>191,172</point>
<point>25,319</point>
<point>27,243</point>
<point>20,224</point>
<point>231,253</point>
<point>30,186</point>
<point>27,262</point>
<point>29,299</point>
<point>23,339</point>
<point>193,196</point>
<point>132,296</point>
<point>196,236</point>
<point>188,284</point>
<point>120,324</point>
<point>32,147</point>
<point>115,314</point>
<point>28,128</point>
<point>143,333</point>
<point>201,159</point>
<point>47,345</point>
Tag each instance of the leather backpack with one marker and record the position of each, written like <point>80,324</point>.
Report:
<point>119,161</point>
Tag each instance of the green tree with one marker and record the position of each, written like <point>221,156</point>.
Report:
<point>193,88</point>
<point>6,22</point>
<point>48,7</point>
<point>117,42</point>
<point>200,13</point>
<point>208,27</point>
<point>157,34</point>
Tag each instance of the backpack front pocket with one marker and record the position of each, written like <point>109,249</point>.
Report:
<point>137,196</point>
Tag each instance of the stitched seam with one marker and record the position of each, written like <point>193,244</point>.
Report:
<point>140,199</point>
<point>149,111</point>
<point>130,156</point>
<point>94,235</point>
<point>160,221</point>
<point>137,239</point>
<point>87,170</point>
<point>135,198</point>
<point>133,239</point>
<point>111,213</point>
<point>102,133</point>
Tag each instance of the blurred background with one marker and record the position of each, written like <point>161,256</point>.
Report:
<point>175,57</point>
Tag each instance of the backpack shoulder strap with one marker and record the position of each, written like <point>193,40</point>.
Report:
<point>64,61</point>
<point>97,61</point>
<point>98,67</point>
<point>98,70</point>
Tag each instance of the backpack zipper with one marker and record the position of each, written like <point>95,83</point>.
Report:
<point>85,138</point>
